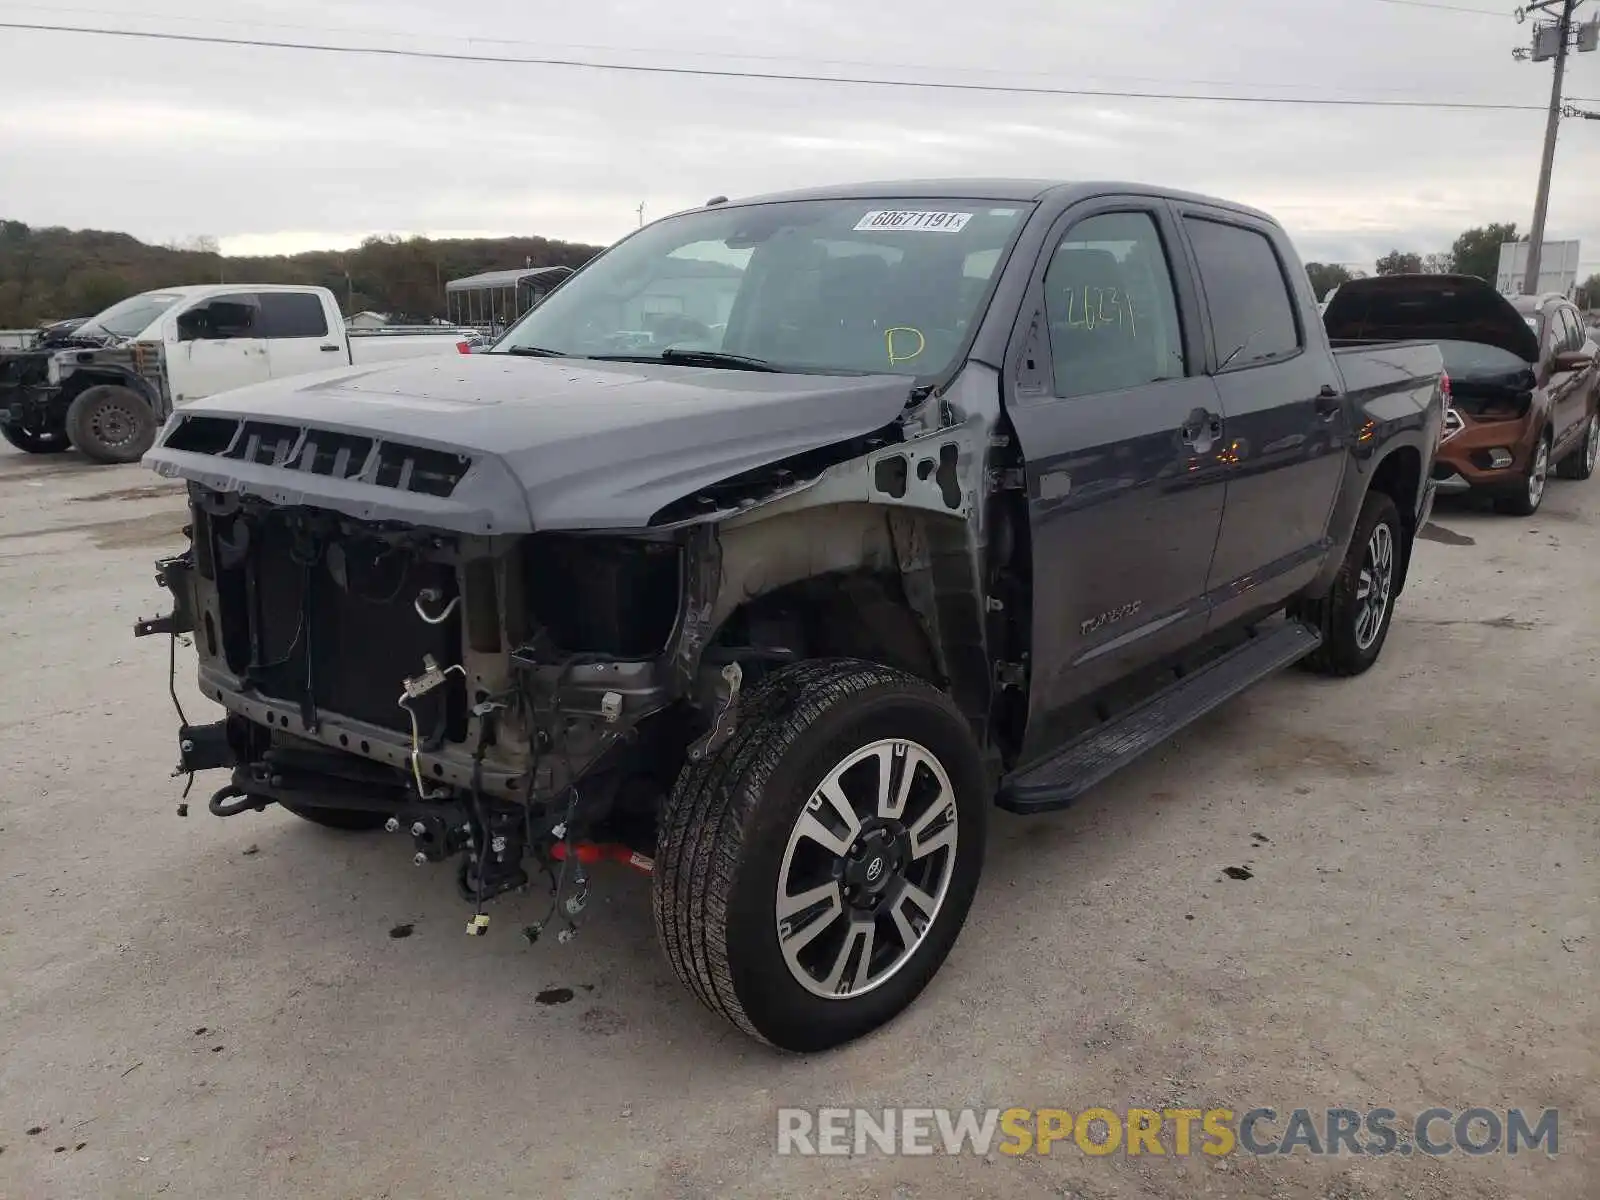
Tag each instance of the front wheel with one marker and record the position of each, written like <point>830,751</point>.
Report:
<point>1580,463</point>
<point>1524,498</point>
<point>1355,615</point>
<point>813,874</point>
<point>111,424</point>
<point>33,441</point>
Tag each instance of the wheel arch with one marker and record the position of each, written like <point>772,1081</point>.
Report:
<point>858,580</point>
<point>1396,471</point>
<point>1399,476</point>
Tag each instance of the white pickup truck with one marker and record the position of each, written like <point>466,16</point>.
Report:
<point>107,387</point>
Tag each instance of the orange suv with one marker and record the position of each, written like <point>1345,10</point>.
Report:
<point>1524,382</point>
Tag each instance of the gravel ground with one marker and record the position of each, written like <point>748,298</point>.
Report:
<point>216,1008</point>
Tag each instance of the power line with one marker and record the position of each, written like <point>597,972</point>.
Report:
<point>1480,12</point>
<point>767,76</point>
<point>474,39</point>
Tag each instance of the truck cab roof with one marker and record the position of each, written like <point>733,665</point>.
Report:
<point>1061,193</point>
<point>190,291</point>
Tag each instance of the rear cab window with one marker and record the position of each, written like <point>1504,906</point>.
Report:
<point>1253,313</point>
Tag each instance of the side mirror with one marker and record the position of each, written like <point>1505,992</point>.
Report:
<point>1574,360</point>
<point>191,326</point>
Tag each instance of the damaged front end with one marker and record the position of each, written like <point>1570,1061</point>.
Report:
<point>397,645</point>
<point>460,687</point>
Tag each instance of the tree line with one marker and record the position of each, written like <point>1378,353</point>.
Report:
<point>1475,252</point>
<point>50,274</point>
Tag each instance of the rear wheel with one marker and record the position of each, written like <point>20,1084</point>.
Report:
<point>111,424</point>
<point>1580,463</point>
<point>353,819</point>
<point>1524,498</point>
<point>813,874</point>
<point>1355,615</point>
<point>34,441</point>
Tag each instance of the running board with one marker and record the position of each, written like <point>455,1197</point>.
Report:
<point>1086,761</point>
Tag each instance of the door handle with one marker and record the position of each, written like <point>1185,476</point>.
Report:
<point>330,349</point>
<point>1201,429</point>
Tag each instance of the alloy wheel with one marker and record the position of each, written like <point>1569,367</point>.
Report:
<point>866,868</point>
<point>1373,586</point>
<point>1539,474</point>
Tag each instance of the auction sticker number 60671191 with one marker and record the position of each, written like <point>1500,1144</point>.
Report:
<point>914,221</point>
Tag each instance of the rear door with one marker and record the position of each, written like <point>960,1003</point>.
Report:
<point>299,341</point>
<point>219,347</point>
<point>1286,421</point>
<point>1115,417</point>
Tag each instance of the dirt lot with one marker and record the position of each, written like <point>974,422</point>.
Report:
<point>216,1008</point>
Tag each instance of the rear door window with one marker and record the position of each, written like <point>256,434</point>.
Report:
<point>292,315</point>
<point>1246,292</point>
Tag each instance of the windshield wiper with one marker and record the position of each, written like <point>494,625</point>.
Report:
<point>534,352</point>
<point>716,358</point>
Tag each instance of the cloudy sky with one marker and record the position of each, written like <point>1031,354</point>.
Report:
<point>276,149</point>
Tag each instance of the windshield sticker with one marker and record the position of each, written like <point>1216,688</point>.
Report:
<point>922,222</point>
<point>897,354</point>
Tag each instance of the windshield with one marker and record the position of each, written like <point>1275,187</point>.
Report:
<point>821,286</point>
<point>130,316</point>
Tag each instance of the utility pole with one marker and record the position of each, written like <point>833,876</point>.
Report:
<point>640,211</point>
<point>1547,37</point>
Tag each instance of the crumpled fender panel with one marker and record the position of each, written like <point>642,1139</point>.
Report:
<point>537,444</point>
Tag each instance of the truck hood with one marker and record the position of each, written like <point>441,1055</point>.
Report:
<point>1428,308</point>
<point>491,444</point>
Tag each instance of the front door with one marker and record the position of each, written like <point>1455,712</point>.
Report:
<point>1288,427</point>
<point>219,348</point>
<point>1118,428</point>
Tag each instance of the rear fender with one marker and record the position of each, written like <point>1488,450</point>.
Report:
<point>1396,470</point>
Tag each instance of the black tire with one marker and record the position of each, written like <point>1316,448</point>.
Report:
<point>1580,461</point>
<point>35,441</point>
<point>726,833</point>
<point>111,424</point>
<point>354,820</point>
<point>1523,498</point>
<point>1349,645</point>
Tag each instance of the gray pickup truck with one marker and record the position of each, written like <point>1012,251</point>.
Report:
<point>783,541</point>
